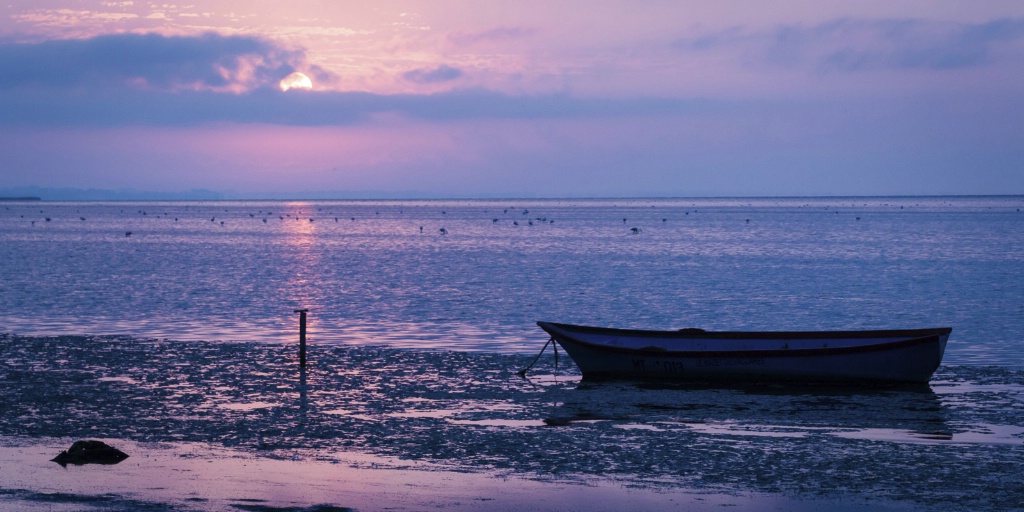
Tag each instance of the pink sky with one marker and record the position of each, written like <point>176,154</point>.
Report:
<point>464,98</point>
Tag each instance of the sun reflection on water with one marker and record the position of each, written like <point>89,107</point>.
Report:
<point>301,289</point>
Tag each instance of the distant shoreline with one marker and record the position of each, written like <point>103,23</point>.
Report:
<point>51,194</point>
<point>318,197</point>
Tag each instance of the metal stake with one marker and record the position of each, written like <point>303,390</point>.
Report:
<point>302,336</point>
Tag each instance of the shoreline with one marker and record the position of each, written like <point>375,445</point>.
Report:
<point>203,477</point>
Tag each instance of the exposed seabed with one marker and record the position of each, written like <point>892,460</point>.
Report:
<point>237,426</point>
<point>192,476</point>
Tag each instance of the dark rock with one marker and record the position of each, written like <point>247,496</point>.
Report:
<point>90,452</point>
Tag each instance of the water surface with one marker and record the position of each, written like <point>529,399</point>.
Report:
<point>172,323</point>
<point>384,273</point>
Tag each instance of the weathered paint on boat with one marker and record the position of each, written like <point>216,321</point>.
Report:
<point>910,355</point>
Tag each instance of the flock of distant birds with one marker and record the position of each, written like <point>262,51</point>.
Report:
<point>299,216</point>
<point>443,231</point>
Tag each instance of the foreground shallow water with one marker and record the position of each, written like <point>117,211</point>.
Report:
<point>194,476</point>
<point>956,444</point>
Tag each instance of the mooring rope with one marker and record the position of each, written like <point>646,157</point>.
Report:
<point>522,373</point>
<point>554,346</point>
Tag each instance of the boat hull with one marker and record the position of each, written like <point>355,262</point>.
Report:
<point>909,356</point>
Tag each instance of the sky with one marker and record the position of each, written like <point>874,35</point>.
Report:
<point>462,98</point>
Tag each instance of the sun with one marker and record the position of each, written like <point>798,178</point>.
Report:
<point>295,80</point>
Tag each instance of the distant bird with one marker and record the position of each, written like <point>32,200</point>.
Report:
<point>636,231</point>
<point>47,219</point>
<point>515,223</point>
<point>128,233</point>
<point>494,220</point>
<point>213,219</point>
<point>83,218</point>
<point>443,231</point>
<point>311,219</point>
<point>264,220</point>
<point>664,220</point>
<point>623,220</point>
<point>421,229</point>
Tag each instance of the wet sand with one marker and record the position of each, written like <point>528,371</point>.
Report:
<point>236,426</point>
<point>190,476</point>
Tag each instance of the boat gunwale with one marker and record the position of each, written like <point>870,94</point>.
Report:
<point>913,337</point>
<point>767,335</point>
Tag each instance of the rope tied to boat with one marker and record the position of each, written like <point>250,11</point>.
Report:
<point>554,346</point>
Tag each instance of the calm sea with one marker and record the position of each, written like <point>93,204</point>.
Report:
<point>476,275</point>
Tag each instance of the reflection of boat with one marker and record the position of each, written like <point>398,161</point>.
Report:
<point>911,413</point>
<point>694,354</point>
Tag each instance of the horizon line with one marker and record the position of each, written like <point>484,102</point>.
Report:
<point>177,197</point>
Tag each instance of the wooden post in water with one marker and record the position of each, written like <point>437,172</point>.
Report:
<point>302,336</point>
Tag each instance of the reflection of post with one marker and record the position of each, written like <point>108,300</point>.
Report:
<point>302,336</point>
<point>303,398</point>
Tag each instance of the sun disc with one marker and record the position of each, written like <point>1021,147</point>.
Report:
<point>296,80</point>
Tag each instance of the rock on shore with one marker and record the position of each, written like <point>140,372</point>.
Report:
<point>90,452</point>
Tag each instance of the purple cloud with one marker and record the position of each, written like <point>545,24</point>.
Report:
<point>498,34</point>
<point>442,73</point>
<point>271,106</point>
<point>853,45</point>
<point>151,61</point>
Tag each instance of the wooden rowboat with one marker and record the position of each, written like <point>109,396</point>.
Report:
<point>835,357</point>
